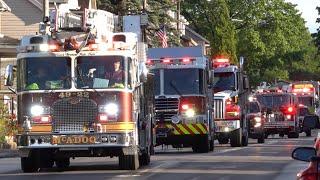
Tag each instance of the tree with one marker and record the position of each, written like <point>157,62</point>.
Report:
<point>212,20</point>
<point>273,38</point>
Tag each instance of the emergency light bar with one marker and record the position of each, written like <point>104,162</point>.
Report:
<point>221,62</point>
<point>302,88</point>
<point>168,61</point>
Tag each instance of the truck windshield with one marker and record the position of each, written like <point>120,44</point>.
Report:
<point>253,107</point>
<point>100,72</point>
<point>224,81</point>
<point>186,81</point>
<point>273,101</point>
<point>156,73</point>
<point>44,73</point>
<point>307,101</point>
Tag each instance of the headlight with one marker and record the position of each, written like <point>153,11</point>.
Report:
<point>36,110</point>
<point>257,119</point>
<point>190,113</point>
<point>257,125</point>
<point>111,109</point>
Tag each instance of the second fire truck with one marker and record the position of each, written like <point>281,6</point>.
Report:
<point>184,116</point>
<point>231,90</point>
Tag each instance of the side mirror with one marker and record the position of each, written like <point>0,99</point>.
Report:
<point>143,74</point>
<point>246,83</point>
<point>211,77</point>
<point>8,77</point>
<point>303,153</point>
<point>311,121</point>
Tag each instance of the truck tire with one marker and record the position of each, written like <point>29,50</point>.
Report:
<point>261,138</point>
<point>211,145</point>
<point>245,139</point>
<point>62,163</point>
<point>28,164</point>
<point>129,162</point>
<point>144,158</point>
<point>293,135</point>
<point>281,135</point>
<point>236,138</point>
<point>308,133</point>
<point>223,140</point>
<point>202,146</point>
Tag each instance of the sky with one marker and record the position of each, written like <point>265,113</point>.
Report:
<point>309,13</point>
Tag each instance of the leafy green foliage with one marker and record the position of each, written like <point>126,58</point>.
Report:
<point>273,38</point>
<point>4,120</point>
<point>212,20</point>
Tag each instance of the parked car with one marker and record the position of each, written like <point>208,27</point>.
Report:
<point>307,154</point>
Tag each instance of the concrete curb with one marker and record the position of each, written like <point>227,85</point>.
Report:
<point>8,153</point>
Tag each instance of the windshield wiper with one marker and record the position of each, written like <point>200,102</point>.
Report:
<point>175,88</point>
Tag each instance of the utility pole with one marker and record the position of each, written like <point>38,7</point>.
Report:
<point>178,16</point>
<point>46,15</point>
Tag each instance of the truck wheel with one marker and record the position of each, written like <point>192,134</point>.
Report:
<point>308,133</point>
<point>245,139</point>
<point>62,163</point>
<point>28,164</point>
<point>211,145</point>
<point>129,162</point>
<point>144,158</point>
<point>223,140</point>
<point>261,138</point>
<point>293,135</point>
<point>235,138</point>
<point>202,146</point>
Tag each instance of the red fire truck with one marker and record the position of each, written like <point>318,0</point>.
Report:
<point>281,113</point>
<point>183,97</point>
<point>231,91</point>
<point>83,91</point>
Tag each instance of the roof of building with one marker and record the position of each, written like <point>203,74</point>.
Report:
<point>5,40</point>
<point>195,36</point>
<point>4,7</point>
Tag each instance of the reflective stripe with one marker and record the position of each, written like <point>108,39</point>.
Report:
<point>183,129</point>
<point>200,126</point>
<point>195,131</point>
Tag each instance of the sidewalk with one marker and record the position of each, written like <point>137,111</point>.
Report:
<point>8,153</point>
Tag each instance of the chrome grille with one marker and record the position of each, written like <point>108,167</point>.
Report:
<point>71,115</point>
<point>218,109</point>
<point>166,108</point>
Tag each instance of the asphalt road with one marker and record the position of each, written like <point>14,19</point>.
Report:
<point>270,160</point>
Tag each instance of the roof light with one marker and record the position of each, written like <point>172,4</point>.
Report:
<point>149,61</point>
<point>166,61</point>
<point>44,47</point>
<point>186,60</point>
<point>221,62</point>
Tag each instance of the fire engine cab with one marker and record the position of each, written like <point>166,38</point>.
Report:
<point>306,94</point>
<point>281,111</point>
<point>83,92</point>
<point>231,90</point>
<point>183,97</point>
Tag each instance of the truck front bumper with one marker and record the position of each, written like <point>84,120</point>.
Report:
<point>226,126</point>
<point>75,142</point>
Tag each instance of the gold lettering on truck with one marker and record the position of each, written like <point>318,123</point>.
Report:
<point>73,140</point>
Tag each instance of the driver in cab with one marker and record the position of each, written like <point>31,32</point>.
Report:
<point>116,76</point>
